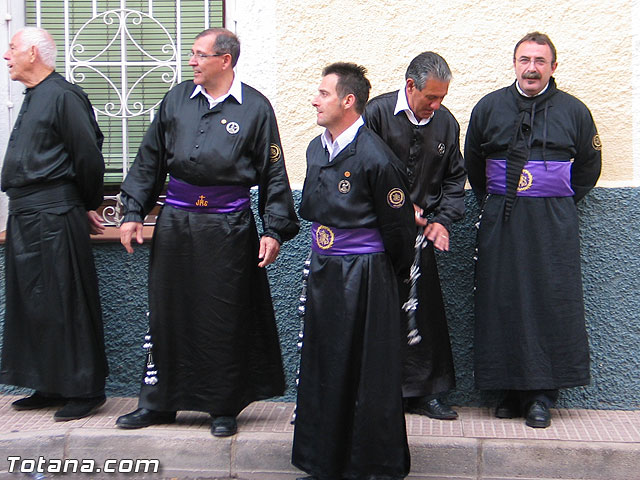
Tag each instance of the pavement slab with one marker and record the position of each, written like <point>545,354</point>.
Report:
<point>579,445</point>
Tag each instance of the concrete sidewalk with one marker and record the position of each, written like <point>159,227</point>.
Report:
<point>580,444</point>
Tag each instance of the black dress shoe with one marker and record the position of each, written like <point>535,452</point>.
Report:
<point>79,408</point>
<point>538,415</point>
<point>223,426</point>
<point>433,409</point>
<point>143,417</point>
<point>38,400</point>
<point>509,407</point>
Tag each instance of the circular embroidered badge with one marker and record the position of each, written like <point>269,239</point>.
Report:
<point>344,186</point>
<point>324,237</point>
<point>526,179</point>
<point>233,128</point>
<point>274,153</point>
<point>596,142</point>
<point>395,198</point>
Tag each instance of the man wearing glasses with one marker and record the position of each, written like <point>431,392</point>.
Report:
<point>212,341</point>
<point>532,151</point>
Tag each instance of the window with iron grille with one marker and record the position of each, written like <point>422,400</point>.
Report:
<point>126,55</point>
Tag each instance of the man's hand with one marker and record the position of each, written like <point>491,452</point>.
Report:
<point>269,249</point>
<point>437,234</point>
<point>420,220</point>
<point>127,231</point>
<point>95,223</point>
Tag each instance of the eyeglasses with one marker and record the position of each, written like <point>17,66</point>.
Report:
<point>539,62</point>
<point>205,55</point>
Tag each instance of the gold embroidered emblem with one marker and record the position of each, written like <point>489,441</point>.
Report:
<point>324,237</point>
<point>395,198</point>
<point>344,186</point>
<point>526,179</point>
<point>596,142</point>
<point>202,201</point>
<point>274,153</point>
<point>347,174</point>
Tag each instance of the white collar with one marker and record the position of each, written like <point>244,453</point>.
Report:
<point>344,139</point>
<point>235,91</point>
<point>402,105</point>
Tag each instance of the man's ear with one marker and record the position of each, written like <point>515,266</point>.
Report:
<point>349,101</point>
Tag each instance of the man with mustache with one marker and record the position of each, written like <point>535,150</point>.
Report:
<point>532,151</point>
<point>212,332</point>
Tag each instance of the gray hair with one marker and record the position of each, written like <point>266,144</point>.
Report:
<point>428,65</point>
<point>42,40</point>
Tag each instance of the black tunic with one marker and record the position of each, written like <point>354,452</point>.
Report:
<point>434,165</point>
<point>529,331</point>
<point>53,173</point>
<point>215,343</point>
<point>350,422</point>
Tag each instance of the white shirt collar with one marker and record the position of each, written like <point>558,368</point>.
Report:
<point>235,91</point>
<point>402,105</point>
<point>344,139</point>
<point>531,96</point>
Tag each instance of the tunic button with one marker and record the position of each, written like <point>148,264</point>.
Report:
<point>197,146</point>
<point>201,131</point>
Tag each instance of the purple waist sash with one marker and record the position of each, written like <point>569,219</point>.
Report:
<point>536,179</point>
<point>345,241</point>
<point>207,199</point>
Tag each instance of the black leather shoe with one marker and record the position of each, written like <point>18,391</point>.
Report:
<point>143,417</point>
<point>38,400</point>
<point>79,408</point>
<point>509,407</point>
<point>223,426</point>
<point>538,415</point>
<point>434,409</point>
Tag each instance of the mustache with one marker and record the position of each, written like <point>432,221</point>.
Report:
<point>531,75</point>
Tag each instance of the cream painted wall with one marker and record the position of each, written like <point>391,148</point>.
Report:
<point>290,41</point>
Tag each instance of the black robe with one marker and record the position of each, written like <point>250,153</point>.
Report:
<point>529,331</point>
<point>349,416</point>
<point>212,325</point>
<point>434,166</point>
<point>53,173</point>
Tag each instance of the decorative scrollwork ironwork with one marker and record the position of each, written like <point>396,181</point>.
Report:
<point>137,64</point>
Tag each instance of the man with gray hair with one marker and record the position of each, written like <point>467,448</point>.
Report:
<point>425,136</point>
<point>212,330</point>
<point>53,175</point>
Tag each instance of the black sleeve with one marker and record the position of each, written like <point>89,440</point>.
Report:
<point>148,173</point>
<point>451,206</point>
<point>275,204</point>
<point>474,157</point>
<point>395,213</point>
<point>587,163</point>
<point>82,141</point>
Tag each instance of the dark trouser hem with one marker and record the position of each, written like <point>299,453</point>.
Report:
<point>526,397</point>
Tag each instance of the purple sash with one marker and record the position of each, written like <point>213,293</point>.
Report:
<point>345,241</point>
<point>536,180</point>
<point>207,199</point>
